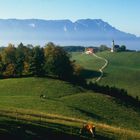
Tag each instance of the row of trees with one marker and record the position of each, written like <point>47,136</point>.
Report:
<point>82,48</point>
<point>120,94</point>
<point>27,60</point>
<point>119,48</point>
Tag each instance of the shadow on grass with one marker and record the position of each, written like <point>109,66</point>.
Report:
<point>87,74</point>
<point>20,130</point>
<point>89,114</point>
<point>120,95</point>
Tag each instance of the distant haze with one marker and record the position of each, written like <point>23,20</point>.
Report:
<point>87,32</point>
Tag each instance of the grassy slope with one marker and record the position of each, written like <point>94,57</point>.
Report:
<point>123,69</point>
<point>65,99</point>
<point>88,61</point>
<point>91,65</point>
<point>25,93</point>
<point>36,125</point>
<point>33,130</point>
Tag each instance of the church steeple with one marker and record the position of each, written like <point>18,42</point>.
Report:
<point>113,46</point>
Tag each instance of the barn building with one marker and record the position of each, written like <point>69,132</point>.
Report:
<point>89,50</point>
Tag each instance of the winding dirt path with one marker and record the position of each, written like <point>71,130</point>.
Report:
<point>102,68</point>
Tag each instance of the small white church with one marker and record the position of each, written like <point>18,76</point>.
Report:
<point>113,46</point>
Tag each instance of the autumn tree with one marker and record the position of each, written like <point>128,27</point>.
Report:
<point>57,62</point>
<point>26,68</point>
<point>9,55</point>
<point>9,60</point>
<point>77,69</point>
<point>28,53</point>
<point>10,70</point>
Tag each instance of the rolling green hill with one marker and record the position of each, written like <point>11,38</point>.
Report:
<point>20,97</point>
<point>67,107</point>
<point>90,64</point>
<point>123,70</point>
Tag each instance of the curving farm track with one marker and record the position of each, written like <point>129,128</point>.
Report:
<point>102,68</point>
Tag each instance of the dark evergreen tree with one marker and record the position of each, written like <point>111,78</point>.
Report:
<point>1,66</point>
<point>20,58</point>
<point>123,48</point>
<point>37,61</point>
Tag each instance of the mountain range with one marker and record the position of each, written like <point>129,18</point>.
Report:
<point>88,32</point>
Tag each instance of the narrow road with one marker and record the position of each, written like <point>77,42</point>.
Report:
<point>102,68</point>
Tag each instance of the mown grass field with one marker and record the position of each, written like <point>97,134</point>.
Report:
<point>22,95</point>
<point>123,70</point>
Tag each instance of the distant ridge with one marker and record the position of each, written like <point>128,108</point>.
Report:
<point>64,32</point>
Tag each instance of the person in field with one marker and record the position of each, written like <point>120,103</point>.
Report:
<point>88,130</point>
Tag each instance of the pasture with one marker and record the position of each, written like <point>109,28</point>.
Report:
<point>22,95</point>
<point>66,107</point>
<point>123,70</point>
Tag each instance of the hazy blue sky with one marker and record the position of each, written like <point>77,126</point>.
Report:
<point>123,14</point>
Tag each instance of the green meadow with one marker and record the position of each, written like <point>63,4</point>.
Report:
<point>123,70</point>
<point>24,115</point>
